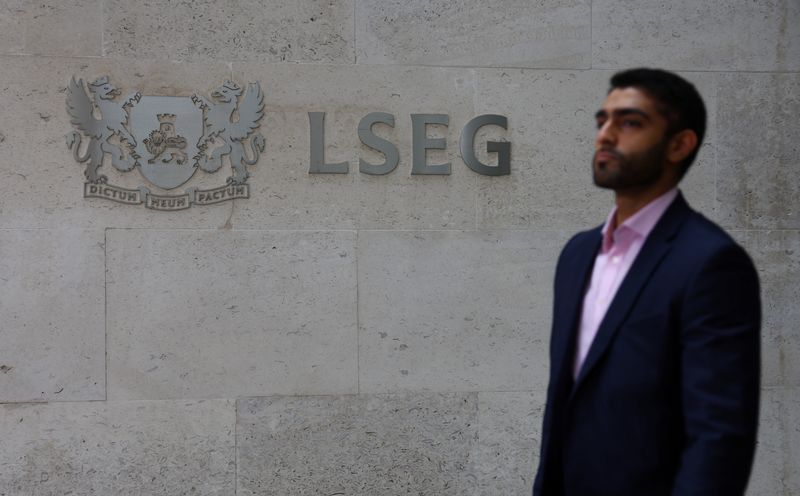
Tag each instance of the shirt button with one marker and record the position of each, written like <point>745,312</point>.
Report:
<point>615,259</point>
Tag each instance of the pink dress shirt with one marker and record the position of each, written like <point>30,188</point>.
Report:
<point>619,249</point>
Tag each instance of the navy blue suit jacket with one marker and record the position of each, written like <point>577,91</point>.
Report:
<point>666,402</point>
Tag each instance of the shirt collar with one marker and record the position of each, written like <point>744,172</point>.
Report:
<point>642,222</point>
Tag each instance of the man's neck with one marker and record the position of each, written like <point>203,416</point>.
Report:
<point>630,202</point>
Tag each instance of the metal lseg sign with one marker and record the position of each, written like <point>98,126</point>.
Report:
<point>168,138</point>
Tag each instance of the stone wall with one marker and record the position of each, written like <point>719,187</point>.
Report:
<point>346,333</point>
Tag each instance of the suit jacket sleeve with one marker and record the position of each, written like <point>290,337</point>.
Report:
<point>720,368</point>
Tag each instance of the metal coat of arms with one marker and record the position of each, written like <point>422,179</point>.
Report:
<point>168,138</point>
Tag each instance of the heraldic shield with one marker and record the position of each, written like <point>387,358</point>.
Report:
<point>167,131</point>
<point>168,138</point>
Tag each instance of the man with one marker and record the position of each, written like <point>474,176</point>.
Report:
<point>654,373</point>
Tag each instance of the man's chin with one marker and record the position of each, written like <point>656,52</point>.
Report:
<point>605,183</point>
<point>602,177</point>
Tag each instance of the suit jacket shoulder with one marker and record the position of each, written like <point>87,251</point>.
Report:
<point>700,245</point>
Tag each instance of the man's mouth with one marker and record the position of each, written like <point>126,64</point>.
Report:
<point>602,157</point>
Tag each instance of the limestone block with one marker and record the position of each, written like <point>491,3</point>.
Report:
<point>455,311</point>
<point>768,466</point>
<point>259,31</point>
<point>365,445</point>
<point>159,448</point>
<point>547,34</point>
<point>777,257</point>
<point>684,35</point>
<point>70,28</point>
<point>552,132</point>
<point>506,456</point>
<point>220,313</point>
<point>52,306</point>
<point>551,117</point>
<point>792,415</point>
<point>286,196</point>
<point>42,184</point>
<point>12,31</point>
<point>775,470</point>
<point>759,186</point>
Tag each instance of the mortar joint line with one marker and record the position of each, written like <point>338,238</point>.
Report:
<point>358,318</point>
<point>102,28</point>
<point>355,44</point>
<point>591,34</point>
<point>105,310</point>
<point>235,446</point>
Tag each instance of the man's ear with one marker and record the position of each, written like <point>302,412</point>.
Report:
<point>681,145</point>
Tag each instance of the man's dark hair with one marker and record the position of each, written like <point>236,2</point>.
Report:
<point>677,99</point>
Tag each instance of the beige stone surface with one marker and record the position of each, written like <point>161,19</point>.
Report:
<point>55,28</point>
<point>365,445</point>
<point>495,33</point>
<point>222,314</point>
<point>258,31</point>
<point>758,184</point>
<point>455,311</point>
<point>506,456</point>
<point>777,258</point>
<point>792,416</point>
<point>775,471</point>
<point>158,448</point>
<point>286,196</point>
<point>52,308</point>
<point>12,30</point>
<point>551,124</point>
<point>737,35</point>
<point>64,27</point>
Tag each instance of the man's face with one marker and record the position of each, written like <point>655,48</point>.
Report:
<point>631,141</point>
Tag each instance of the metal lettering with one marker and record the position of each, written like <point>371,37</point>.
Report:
<point>221,194</point>
<point>114,193</point>
<point>367,137</point>
<point>502,148</point>
<point>318,165</point>
<point>421,143</point>
<point>158,202</point>
<point>168,138</point>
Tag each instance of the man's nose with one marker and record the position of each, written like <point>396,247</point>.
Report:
<point>605,134</point>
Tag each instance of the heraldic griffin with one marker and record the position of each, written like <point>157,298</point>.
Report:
<point>111,124</point>
<point>220,126</point>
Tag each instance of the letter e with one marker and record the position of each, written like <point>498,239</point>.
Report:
<point>421,143</point>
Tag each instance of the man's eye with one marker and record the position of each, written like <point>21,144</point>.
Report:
<point>631,123</point>
<point>600,124</point>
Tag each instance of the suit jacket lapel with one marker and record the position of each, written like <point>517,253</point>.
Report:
<point>655,248</point>
<point>569,303</point>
